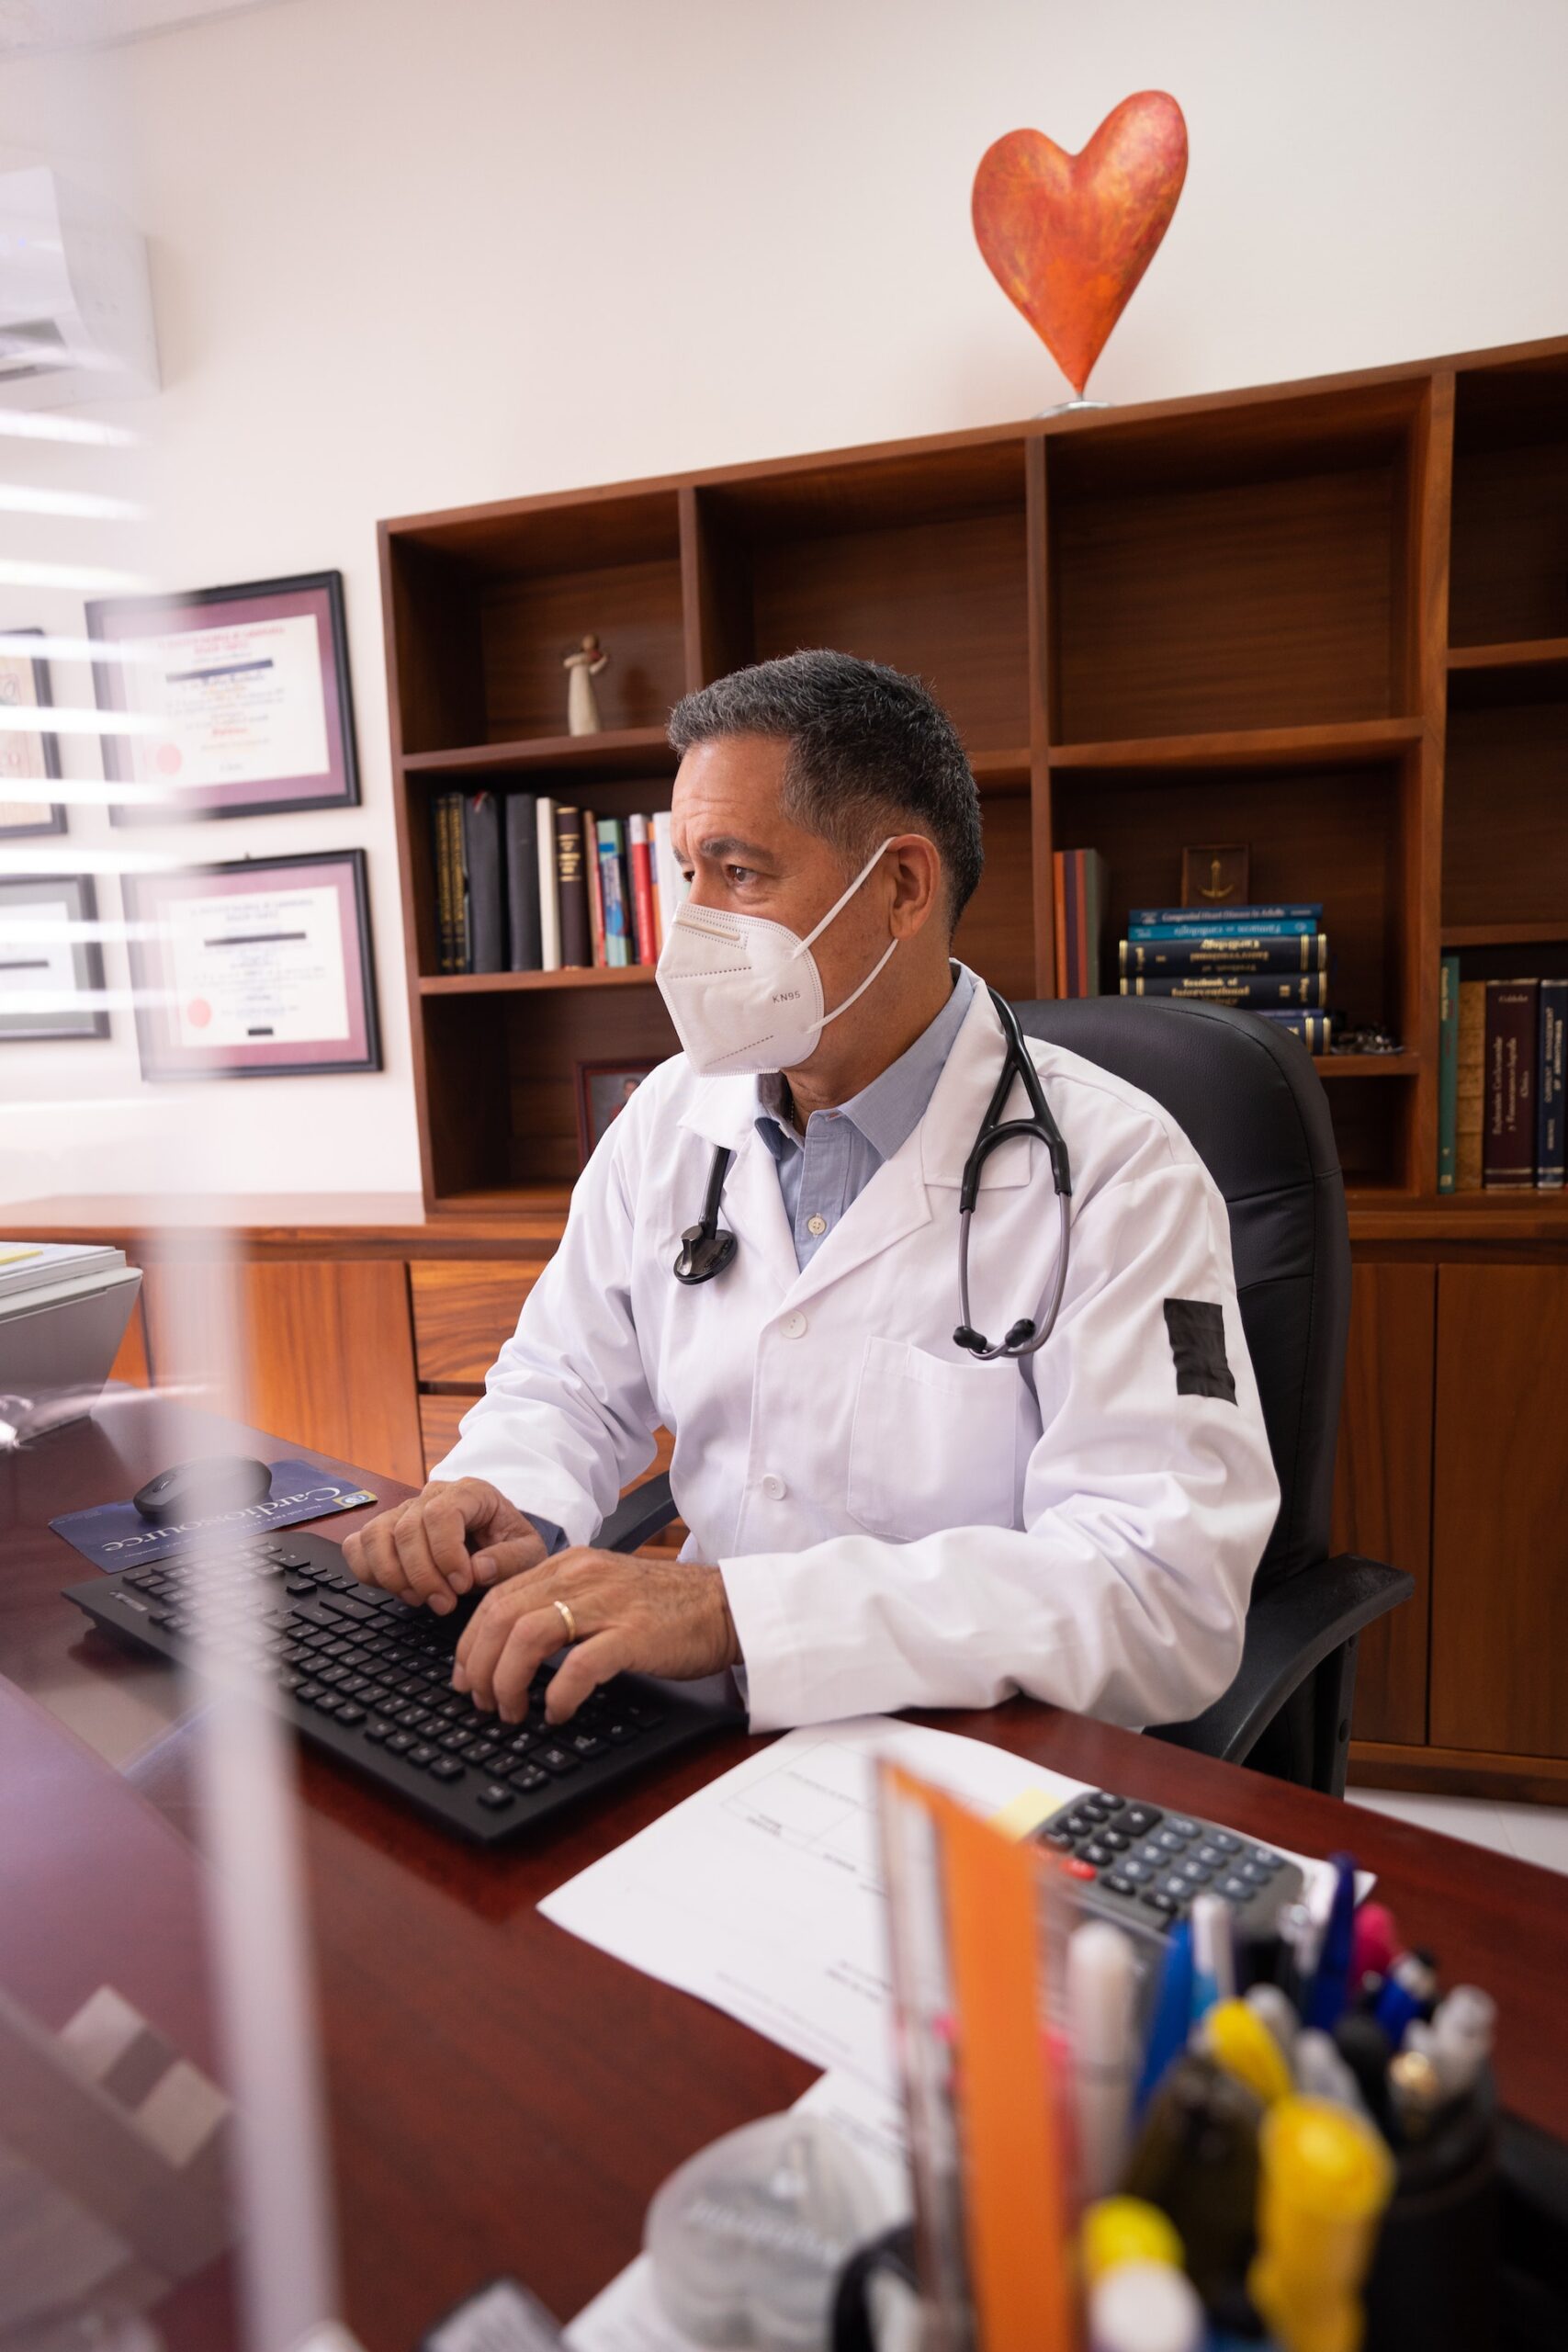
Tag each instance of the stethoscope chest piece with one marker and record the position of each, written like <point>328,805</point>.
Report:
<point>704,1253</point>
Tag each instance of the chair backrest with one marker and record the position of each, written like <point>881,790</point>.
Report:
<point>1253,1108</point>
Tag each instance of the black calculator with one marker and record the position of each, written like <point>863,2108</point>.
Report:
<point>1144,1868</point>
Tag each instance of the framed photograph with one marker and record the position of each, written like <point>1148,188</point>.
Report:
<point>603,1090</point>
<point>244,693</point>
<point>258,970</point>
<point>26,753</point>
<point>50,973</point>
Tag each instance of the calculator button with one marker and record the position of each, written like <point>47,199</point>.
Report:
<point>1268,1862</point>
<point>1081,1823</point>
<point>1226,1843</point>
<point>1137,1820</point>
<point>1077,1867</point>
<point>1255,1873</point>
<point>1176,1887</point>
<point>1180,1824</point>
<point>1197,1873</point>
<point>1210,1855</point>
<point>1115,1840</point>
<point>1158,1900</point>
<point>1098,1854</point>
<point>1171,1841</point>
<point>1236,1890</point>
<point>1136,1873</point>
<point>1099,1807</point>
<point>1111,1803</point>
<point>1119,1882</point>
<point>1060,1839</point>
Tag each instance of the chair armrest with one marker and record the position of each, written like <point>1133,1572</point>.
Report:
<point>639,1515</point>
<point>1290,1629</point>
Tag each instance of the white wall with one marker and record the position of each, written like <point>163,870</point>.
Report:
<point>412,253</point>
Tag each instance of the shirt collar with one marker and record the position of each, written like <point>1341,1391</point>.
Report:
<point>887,1111</point>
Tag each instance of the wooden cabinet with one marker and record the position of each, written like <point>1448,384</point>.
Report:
<point>1500,1511</point>
<point>320,1352</point>
<point>463,1311</point>
<point>1383,1494</point>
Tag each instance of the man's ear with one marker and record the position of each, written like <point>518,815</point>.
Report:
<point>920,889</point>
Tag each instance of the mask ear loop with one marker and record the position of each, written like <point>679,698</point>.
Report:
<point>837,908</point>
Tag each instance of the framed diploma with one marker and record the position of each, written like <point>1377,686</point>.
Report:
<point>52,969</point>
<point>27,754</point>
<point>241,695</point>
<point>260,970</point>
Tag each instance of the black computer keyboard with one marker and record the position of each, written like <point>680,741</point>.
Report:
<point>368,1679</point>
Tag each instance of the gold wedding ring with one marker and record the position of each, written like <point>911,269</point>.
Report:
<point>568,1620</point>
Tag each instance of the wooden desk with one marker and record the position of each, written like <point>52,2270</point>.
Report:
<point>502,2097</point>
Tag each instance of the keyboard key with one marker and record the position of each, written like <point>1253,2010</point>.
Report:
<point>421,1754</point>
<point>289,1559</point>
<point>309,1693</point>
<point>329,1703</point>
<point>584,1742</point>
<point>351,1714</point>
<point>529,1778</point>
<point>398,1743</point>
<point>482,1750</point>
<point>376,1727</point>
<point>557,1761</point>
<point>496,1796</point>
<point>619,1730</point>
<point>447,1767</point>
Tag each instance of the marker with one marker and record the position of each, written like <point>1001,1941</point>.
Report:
<point>1213,1954</point>
<point>1235,2037</point>
<point>1375,1942</point>
<point>1173,2011</point>
<point>1331,1978</point>
<point>1322,2075</point>
<point>1102,1989</point>
<point>1326,2178</point>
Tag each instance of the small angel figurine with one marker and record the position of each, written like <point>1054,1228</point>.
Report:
<point>581,669</point>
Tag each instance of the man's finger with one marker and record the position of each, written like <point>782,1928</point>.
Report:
<point>382,1565</point>
<point>511,1557</point>
<point>528,1644</point>
<point>583,1669</point>
<point>447,1532</point>
<point>483,1639</point>
<point>425,1581</point>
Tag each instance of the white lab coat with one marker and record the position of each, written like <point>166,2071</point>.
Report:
<point>896,1524</point>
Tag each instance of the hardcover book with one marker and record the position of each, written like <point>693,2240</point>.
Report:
<point>1316,1029</point>
<point>1470,1086</point>
<point>549,902</point>
<point>595,887</point>
<point>639,865</point>
<point>1551,1158</point>
<point>1172,958</point>
<point>1304,917</point>
<point>1257,924</point>
<point>1236,987</point>
<point>482,865</point>
<point>571,890</point>
<point>612,882</point>
<point>1448,1070</point>
<point>523,881</point>
<point>1513,1017</point>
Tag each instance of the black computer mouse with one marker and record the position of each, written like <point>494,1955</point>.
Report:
<point>199,1489</point>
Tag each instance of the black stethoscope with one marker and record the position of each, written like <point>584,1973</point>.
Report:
<point>705,1250</point>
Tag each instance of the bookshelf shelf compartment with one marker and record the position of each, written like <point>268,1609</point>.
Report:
<point>1506,934</point>
<point>1508,582</point>
<point>1259,747</point>
<point>1366,1065</point>
<point>574,975</point>
<point>620,751</point>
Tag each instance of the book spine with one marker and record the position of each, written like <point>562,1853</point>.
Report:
<point>1300,918</point>
<point>549,903</point>
<point>1551,1138</point>
<point>1070,895</point>
<point>1316,1029</point>
<point>462,935</point>
<point>1099,892</point>
<point>1173,958</point>
<point>571,890</point>
<point>1059,910</point>
<point>596,888</point>
<point>671,881</point>
<point>1084,962</point>
<point>640,866</point>
<point>1301,988</point>
<point>1448,1072</point>
<point>612,877</point>
<point>1513,1015</point>
<point>523,881</point>
<point>1204,927</point>
<point>1470,1086</point>
<point>442,849</point>
<point>483,864</point>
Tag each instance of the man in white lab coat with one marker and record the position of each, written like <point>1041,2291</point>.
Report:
<point>878,1518</point>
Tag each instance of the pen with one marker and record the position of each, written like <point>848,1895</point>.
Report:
<point>1408,1992</point>
<point>1277,2012</point>
<point>1460,2037</point>
<point>1298,1954</point>
<point>1374,1941</point>
<point>1101,2003</point>
<point>1173,2011</point>
<point>1330,1982</point>
<point>1322,2075</point>
<point>1214,1955</point>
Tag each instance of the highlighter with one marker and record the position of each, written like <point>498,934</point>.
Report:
<point>1235,2037</point>
<point>1102,1993</point>
<point>1326,2178</point>
<point>1125,2229</point>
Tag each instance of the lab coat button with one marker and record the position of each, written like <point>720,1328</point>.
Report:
<point>774,1487</point>
<point>793,1325</point>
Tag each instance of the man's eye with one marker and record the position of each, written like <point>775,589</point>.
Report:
<point>740,872</point>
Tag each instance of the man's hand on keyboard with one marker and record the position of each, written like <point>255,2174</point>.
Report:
<point>420,1549</point>
<point>627,1614</point>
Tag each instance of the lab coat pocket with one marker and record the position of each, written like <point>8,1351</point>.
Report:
<point>933,1443</point>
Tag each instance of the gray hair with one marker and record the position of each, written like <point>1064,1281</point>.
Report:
<point>867,744</point>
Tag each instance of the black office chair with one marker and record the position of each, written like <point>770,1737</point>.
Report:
<point>1254,1109</point>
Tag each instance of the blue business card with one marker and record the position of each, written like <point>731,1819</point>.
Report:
<point>115,1535</point>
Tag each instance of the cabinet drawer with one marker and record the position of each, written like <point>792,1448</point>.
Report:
<point>463,1310</point>
<point>438,1419</point>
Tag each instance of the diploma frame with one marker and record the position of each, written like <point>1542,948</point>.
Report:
<point>51,815</point>
<point>20,891</point>
<point>164,1056</point>
<point>317,592</point>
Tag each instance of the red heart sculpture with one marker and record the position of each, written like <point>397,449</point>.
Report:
<point>1067,237</point>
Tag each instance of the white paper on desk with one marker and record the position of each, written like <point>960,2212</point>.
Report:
<point>627,2316</point>
<point>763,1894</point>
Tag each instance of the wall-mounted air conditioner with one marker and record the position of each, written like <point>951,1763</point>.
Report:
<point>75,305</point>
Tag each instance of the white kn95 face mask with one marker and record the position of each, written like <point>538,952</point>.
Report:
<point>745,994</point>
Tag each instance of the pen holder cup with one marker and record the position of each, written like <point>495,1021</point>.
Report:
<point>1434,2275</point>
<point>892,2256</point>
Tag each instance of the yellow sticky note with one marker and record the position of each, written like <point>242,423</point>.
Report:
<point>1023,1816</point>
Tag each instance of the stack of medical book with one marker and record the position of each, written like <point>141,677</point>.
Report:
<point>1501,1074</point>
<point>524,883</point>
<point>1270,960</point>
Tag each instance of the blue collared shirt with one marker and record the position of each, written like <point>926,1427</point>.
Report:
<point>845,1147</point>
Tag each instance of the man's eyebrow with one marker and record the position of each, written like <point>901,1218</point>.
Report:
<point>720,846</point>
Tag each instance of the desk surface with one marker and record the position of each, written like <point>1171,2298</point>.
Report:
<point>502,2097</point>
